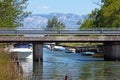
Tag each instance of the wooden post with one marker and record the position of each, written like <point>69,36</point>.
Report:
<point>66,77</point>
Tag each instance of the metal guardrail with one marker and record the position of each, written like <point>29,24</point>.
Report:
<point>61,32</point>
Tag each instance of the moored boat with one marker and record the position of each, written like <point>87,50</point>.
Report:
<point>70,50</point>
<point>87,53</point>
<point>59,48</point>
<point>21,50</point>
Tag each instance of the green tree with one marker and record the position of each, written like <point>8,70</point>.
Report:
<point>111,13</point>
<point>106,17</point>
<point>55,24</point>
<point>12,13</point>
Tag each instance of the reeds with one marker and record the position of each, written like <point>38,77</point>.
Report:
<point>7,68</point>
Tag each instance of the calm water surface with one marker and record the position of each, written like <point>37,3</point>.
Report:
<point>57,65</point>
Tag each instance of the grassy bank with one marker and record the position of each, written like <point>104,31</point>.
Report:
<point>7,68</point>
<point>79,44</point>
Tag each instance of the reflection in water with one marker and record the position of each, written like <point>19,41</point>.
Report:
<point>37,71</point>
<point>27,66</point>
<point>112,71</point>
<point>57,65</point>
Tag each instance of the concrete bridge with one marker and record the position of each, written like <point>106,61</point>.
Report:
<point>111,40</point>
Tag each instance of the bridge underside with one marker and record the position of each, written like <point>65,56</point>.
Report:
<point>111,51</point>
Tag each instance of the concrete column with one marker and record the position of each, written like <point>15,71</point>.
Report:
<point>38,52</point>
<point>112,51</point>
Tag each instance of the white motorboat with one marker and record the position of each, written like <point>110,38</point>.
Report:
<point>59,48</point>
<point>87,53</point>
<point>22,51</point>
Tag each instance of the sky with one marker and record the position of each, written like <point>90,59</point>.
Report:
<point>79,7</point>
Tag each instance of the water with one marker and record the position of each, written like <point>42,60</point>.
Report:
<point>57,65</point>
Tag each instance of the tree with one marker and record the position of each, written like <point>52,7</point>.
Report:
<point>111,13</point>
<point>12,13</point>
<point>106,17</point>
<point>55,24</point>
<point>87,24</point>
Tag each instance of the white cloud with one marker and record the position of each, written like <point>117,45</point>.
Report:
<point>44,7</point>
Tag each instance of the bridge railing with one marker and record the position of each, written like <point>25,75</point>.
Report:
<point>36,31</point>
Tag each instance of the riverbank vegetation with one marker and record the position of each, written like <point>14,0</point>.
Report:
<point>80,44</point>
<point>108,16</point>
<point>7,67</point>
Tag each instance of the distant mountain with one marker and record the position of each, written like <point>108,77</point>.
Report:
<point>40,20</point>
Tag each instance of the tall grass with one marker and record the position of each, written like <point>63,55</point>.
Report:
<point>7,68</point>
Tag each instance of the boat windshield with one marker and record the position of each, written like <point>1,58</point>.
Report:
<point>22,45</point>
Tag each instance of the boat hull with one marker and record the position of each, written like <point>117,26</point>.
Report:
<point>21,53</point>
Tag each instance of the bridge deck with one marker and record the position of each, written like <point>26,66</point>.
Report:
<point>59,39</point>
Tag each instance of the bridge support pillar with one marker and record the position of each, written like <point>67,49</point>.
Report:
<point>112,51</point>
<point>37,52</point>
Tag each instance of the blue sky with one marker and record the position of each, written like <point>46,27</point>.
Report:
<point>80,7</point>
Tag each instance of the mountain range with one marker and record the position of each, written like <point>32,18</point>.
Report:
<point>40,20</point>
